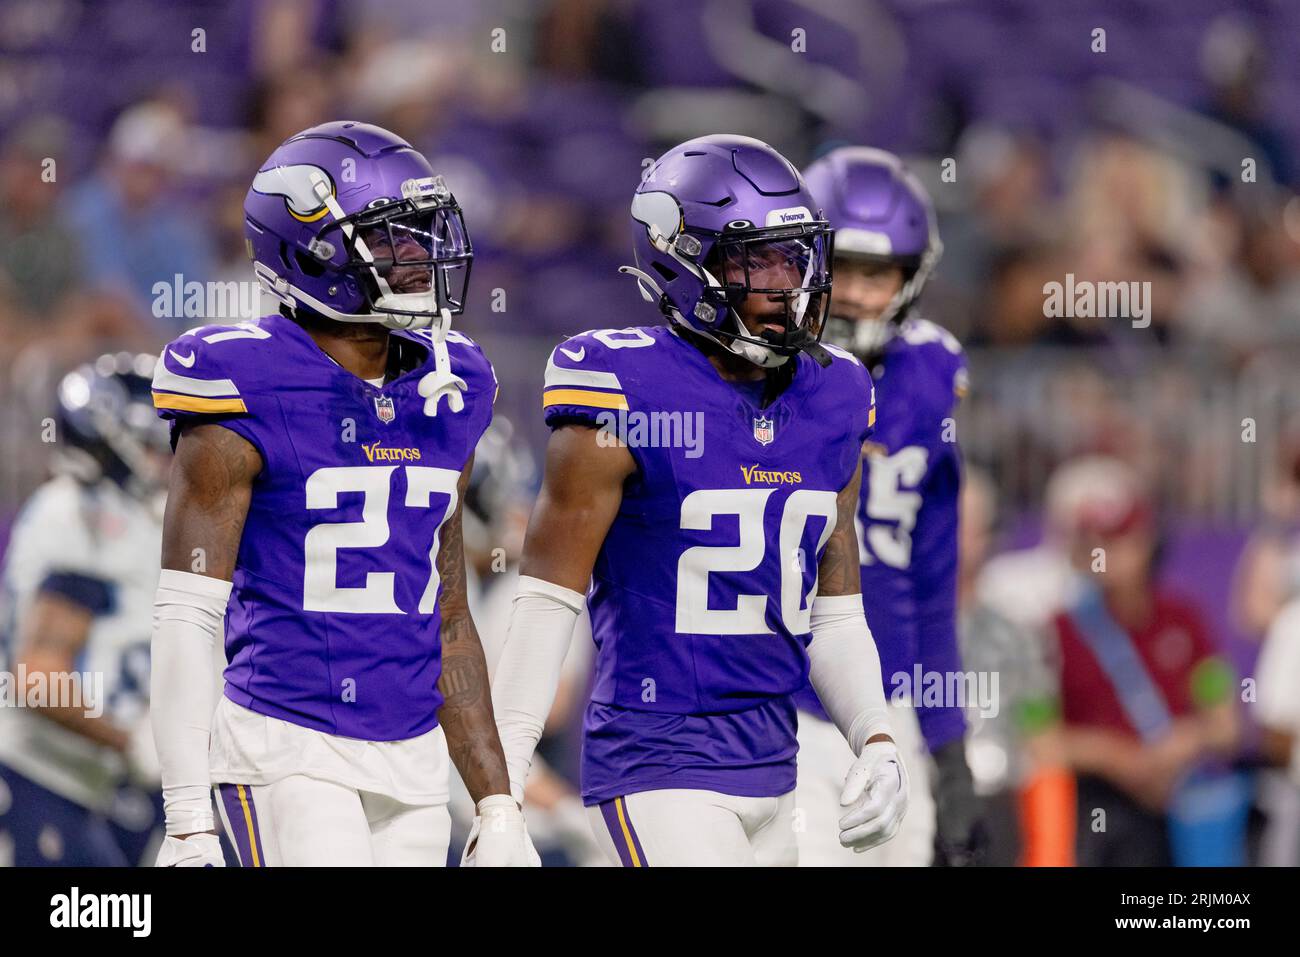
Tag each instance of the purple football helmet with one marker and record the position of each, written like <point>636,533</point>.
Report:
<point>880,212</point>
<point>719,218</point>
<point>348,221</point>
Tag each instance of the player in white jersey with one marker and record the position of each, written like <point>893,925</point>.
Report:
<point>77,771</point>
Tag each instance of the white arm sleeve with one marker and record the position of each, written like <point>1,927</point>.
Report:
<point>537,641</point>
<point>844,668</point>
<point>187,615</point>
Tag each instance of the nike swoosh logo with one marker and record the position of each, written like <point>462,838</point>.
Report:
<point>576,356</point>
<point>186,361</point>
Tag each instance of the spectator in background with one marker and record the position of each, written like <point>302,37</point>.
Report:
<point>1147,707</point>
<point>1235,65</point>
<point>137,227</point>
<point>1254,302</point>
<point>289,101</point>
<point>1130,210</point>
<point>44,300</point>
<point>40,254</point>
<point>1029,586</point>
<point>1267,575</point>
<point>1278,713</point>
<point>1005,175</point>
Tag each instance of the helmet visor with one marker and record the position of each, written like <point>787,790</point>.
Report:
<point>412,260</point>
<point>792,265</point>
<point>776,266</point>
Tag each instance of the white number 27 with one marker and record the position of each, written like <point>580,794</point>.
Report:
<point>321,590</point>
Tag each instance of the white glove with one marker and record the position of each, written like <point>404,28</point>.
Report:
<point>197,850</point>
<point>875,793</point>
<point>499,837</point>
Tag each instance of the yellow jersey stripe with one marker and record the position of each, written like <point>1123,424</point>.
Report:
<point>189,403</point>
<point>871,417</point>
<point>599,400</point>
<point>248,823</point>
<point>627,834</point>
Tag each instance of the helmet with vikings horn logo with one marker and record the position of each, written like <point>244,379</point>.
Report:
<point>720,218</point>
<point>349,221</point>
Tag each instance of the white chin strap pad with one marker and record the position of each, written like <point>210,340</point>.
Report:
<point>441,382</point>
<point>757,354</point>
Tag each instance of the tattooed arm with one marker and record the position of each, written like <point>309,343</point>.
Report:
<point>839,572</point>
<point>210,487</point>
<point>466,714</point>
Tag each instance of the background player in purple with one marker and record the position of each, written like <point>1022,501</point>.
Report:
<point>322,455</point>
<point>886,246</point>
<point>702,478</point>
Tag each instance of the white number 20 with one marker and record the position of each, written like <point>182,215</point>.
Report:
<point>321,591</point>
<point>694,616</point>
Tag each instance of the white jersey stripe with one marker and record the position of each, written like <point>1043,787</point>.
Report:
<point>563,376</point>
<point>166,381</point>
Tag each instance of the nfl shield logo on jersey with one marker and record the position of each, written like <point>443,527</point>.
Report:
<point>764,430</point>
<point>385,409</point>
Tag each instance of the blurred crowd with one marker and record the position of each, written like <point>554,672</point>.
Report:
<point>1167,156</point>
<point>542,115</point>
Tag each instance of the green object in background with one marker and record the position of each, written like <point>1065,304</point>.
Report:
<point>1036,714</point>
<point>1212,682</point>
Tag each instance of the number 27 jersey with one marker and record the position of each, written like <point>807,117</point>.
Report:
<point>333,621</point>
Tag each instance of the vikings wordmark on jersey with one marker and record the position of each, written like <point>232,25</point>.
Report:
<point>333,622</point>
<point>700,597</point>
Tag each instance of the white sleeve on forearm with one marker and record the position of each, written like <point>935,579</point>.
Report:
<point>187,615</point>
<point>844,668</point>
<point>537,641</point>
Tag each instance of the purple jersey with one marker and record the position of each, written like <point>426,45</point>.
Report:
<point>333,622</point>
<point>700,594</point>
<point>907,518</point>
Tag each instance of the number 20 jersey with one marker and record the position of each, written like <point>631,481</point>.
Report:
<point>700,596</point>
<point>333,620</point>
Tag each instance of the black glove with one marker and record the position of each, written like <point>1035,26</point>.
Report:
<point>960,838</point>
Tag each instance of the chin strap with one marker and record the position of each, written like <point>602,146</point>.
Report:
<point>752,351</point>
<point>441,382</point>
<point>804,341</point>
<point>819,354</point>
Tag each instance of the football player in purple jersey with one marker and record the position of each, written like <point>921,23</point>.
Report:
<point>700,488</point>
<point>322,456</point>
<point>886,246</point>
